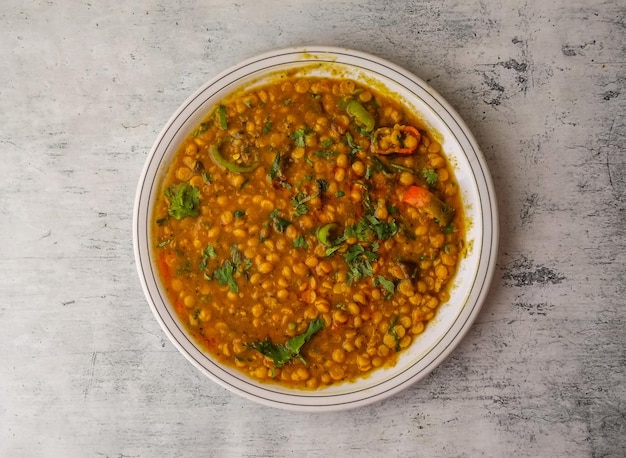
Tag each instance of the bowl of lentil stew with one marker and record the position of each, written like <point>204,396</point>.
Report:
<point>315,229</point>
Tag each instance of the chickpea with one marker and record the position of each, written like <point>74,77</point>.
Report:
<point>300,269</point>
<point>302,86</point>
<point>407,178</point>
<point>363,362</point>
<point>257,310</point>
<point>358,168</point>
<point>340,316</point>
<point>183,173</point>
<point>342,160</point>
<point>339,355</point>
<point>337,373</point>
<point>441,271</point>
<point>340,174</point>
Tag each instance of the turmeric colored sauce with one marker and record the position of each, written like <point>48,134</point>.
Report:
<point>308,230</point>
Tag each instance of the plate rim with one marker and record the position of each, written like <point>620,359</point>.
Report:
<point>308,54</point>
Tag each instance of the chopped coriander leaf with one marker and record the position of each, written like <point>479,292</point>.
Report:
<point>385,284</point>
<point>325,154</point>
<point>354,148</point>
<point>239,260</point>
<point>203,127</point>
<point>163,243</point>
<point>280,223</point>
<point>207,253</point>
<point>248,103</point>
<point>287,102</point>
<point>301,197</point>
<point>327,143</point>
<point>392,332</point>
<point>206,176</point>
<point>359,262</point>
<point>267,127</point>
<point>299,209</point>
<point>430,175</point>
<point>382,230</point>
<point>340,194</point>
<point>184,200</point>
<point>283,354</point>
<point>184,268</point>
<point>278,353</point>
<point>299,137</point>
<point>239,213</point>
<point>275,169</point>
<point>362,131</point>
<point>332,250</point>
<point>300,242</point>
<point>225,276</point>
<point>380,166</point>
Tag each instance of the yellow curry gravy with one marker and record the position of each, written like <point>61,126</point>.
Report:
<point>308,230</point>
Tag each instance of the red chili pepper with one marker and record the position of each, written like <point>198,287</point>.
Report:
<point>397,145</point>
<point>165,269</point>
<point>425,200</point>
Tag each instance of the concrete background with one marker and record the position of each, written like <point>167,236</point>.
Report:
<point>85,87</point>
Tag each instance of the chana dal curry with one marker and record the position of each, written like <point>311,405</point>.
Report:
<point>308,230</point>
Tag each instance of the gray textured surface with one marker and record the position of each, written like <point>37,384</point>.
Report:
<point>85,88</point>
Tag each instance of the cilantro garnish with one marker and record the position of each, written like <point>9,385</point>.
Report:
<point>299,137</point>
<point>354,148</point>
<point>184,200</point>
<point>385,284</point>
<point>300,242</point>
<point>207,253</point>
<point>225,276</point>
<point>203,127</point>
<point>275,169</point>
<point>299,203</point>
<point>359,262</point>
<point>430,175</point>
<point>391,331</point>
<point>283,354</point>
<point>280,223</point>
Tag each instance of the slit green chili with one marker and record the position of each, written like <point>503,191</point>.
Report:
<point>233,167</point>
<point>364,117</point>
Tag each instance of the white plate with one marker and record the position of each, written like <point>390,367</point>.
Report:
<point>470,285</point>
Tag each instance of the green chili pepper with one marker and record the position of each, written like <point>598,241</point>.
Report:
<point>358,112</point>
<point>237,168</point>
<point>325,234</point>
<point>221,111</point>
